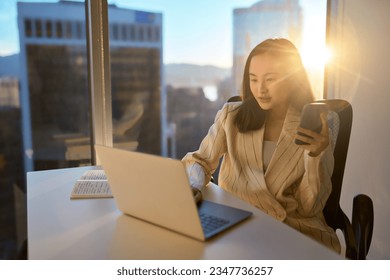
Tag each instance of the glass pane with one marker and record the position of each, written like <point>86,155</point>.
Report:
<point>136,78</point>
<point>179,61</point>
<point>44,102</point>
<point>54,84</point>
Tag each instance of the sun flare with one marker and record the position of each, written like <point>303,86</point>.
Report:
<point>315,56</point>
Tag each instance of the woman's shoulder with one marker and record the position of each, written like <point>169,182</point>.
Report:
<point>231,107</point>
<point>228,111</point>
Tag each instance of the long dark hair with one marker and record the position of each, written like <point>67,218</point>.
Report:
<point>250,116</point>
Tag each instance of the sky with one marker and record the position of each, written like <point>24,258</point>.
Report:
<point>198,31</point>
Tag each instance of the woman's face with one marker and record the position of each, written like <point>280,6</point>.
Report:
<point>269,82</point>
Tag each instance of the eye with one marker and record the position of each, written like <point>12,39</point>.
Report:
<point>270,79</point>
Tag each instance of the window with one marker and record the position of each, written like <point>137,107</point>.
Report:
<point>49,31</point>
<point>79,30</point>
<point>132,33</point>
<point>28,27</point>
<point>136,81</point>
<point>149,33</point>
<point>157,33</point>
<point>38,28</point>
<point>124,32</point>
<point>115,32</point>
<point>68,29</point>
<point>141,33</point>
<point>59,29</point>
<point>173,65</point>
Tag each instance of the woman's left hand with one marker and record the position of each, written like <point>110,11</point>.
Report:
<point>316,142</point>
<point>197,194</point>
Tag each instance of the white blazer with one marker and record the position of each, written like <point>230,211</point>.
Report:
<point>295,186</point>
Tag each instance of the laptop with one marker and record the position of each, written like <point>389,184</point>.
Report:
<point>157,190</point>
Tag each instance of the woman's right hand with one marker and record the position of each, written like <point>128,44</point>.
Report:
<point>197,195</point>
<point>316,142</point>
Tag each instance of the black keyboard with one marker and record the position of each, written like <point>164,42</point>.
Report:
<point>211,223</point>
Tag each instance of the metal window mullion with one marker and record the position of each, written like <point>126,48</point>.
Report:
<point>99,74</point>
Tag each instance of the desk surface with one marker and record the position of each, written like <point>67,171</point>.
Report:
<point>61,228</point>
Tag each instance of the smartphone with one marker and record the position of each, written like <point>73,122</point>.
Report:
<point>310,118</point>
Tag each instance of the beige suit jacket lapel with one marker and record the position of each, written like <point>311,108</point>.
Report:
<point>286,155</point>
<point>251,155</point>
<point>256,191</point>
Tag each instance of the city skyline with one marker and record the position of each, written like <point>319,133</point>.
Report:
<point>188,32</point>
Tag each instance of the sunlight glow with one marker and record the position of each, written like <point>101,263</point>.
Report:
<point>315,56</point>
<point>211,93</point>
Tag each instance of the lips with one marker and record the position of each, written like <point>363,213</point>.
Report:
<point>265,99</point>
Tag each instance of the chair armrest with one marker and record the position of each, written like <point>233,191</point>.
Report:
<point>349,237</point>
<point>363,223</point>
<point>336,219</point>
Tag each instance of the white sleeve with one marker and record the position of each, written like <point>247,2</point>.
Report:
<point>201,164</point>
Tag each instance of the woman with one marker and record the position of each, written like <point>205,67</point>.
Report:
<point>261,163</point>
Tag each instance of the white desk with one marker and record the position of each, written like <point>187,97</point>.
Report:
<point>60,228</point>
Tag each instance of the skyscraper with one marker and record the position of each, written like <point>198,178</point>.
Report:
<point>54,83</point>
<point>264,19</point>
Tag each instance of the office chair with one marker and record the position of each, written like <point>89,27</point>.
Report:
<point>358,234</point>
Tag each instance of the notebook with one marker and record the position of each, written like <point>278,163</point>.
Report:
<point>92,184</point>
<point>156,190</point>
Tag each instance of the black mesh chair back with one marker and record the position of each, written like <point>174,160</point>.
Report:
<point>358,234</point>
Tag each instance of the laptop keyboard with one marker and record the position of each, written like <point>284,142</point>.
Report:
<point>211,223</point>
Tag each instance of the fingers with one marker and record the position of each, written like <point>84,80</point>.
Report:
<point>304,137</point>
<point>315,142</point>
<point>197,194</point>
<point>308,132</point>
<point>324,122</point>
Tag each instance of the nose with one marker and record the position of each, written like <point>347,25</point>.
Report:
<point>262,89</point>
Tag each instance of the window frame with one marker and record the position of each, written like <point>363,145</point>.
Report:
<point>99,75</point>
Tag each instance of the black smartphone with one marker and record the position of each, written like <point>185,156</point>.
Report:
<point>310,118</point>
